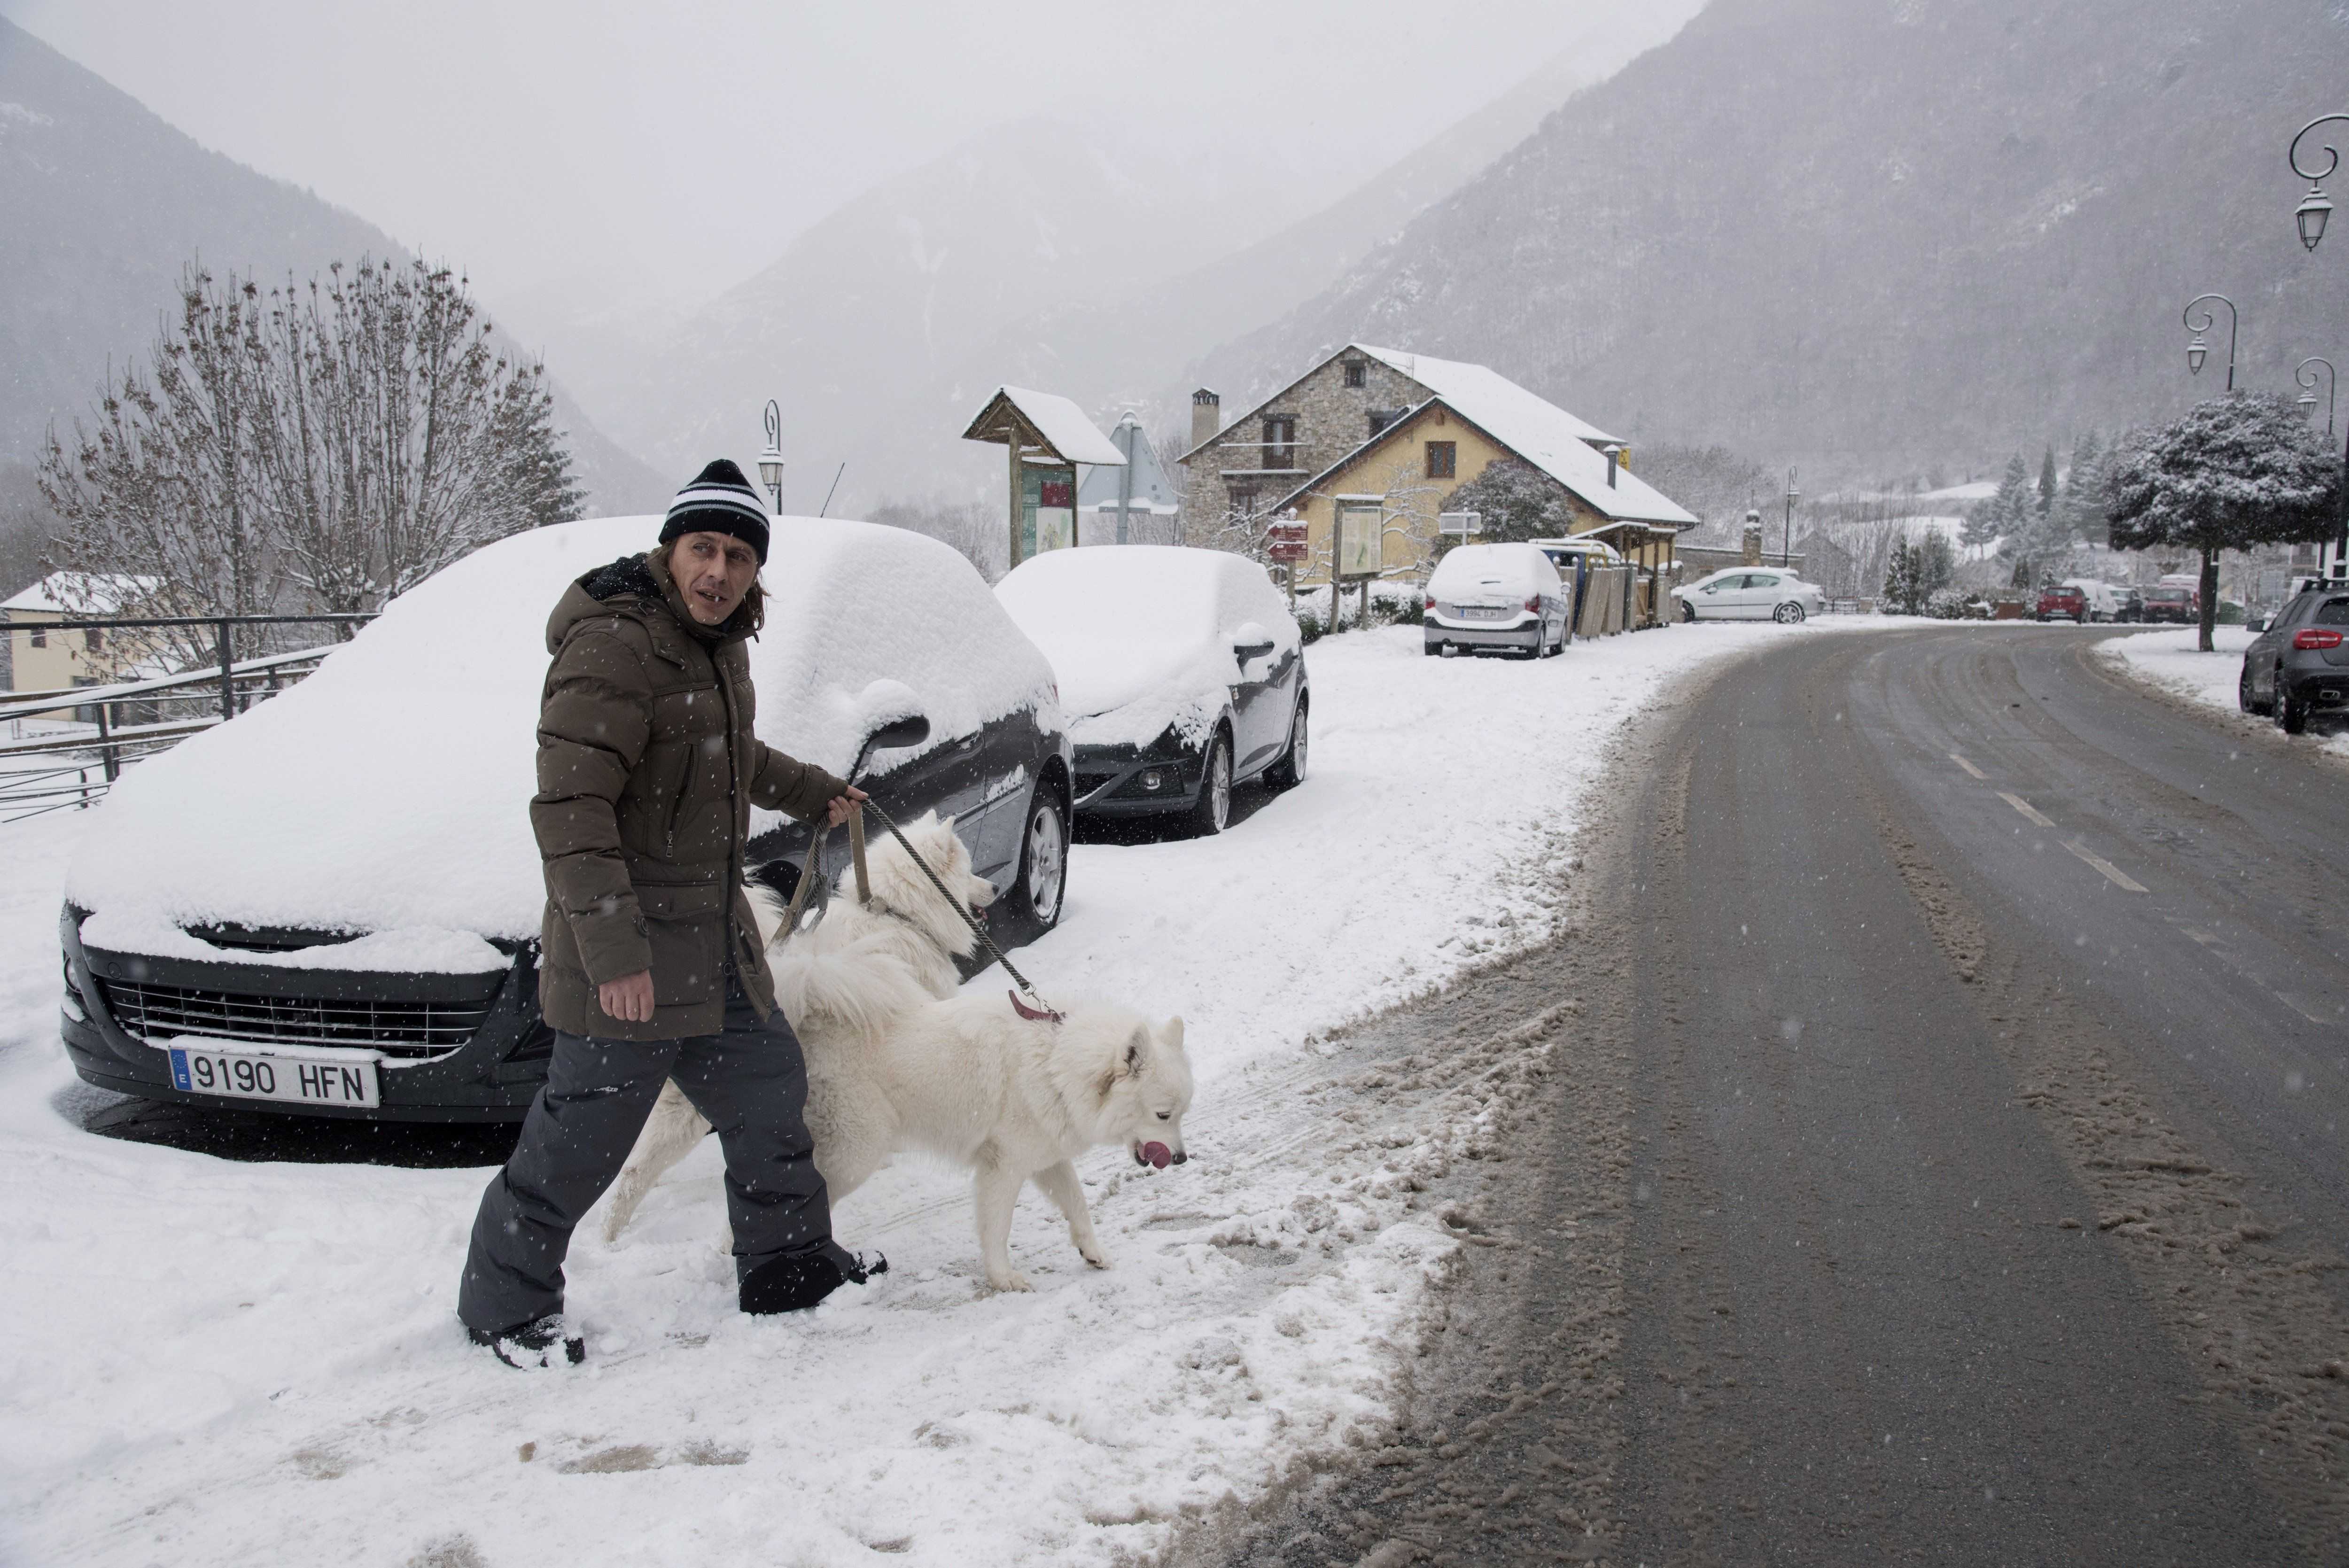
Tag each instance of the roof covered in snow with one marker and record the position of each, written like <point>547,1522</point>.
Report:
<point>1152,492</point>
<point>1061,423</point>
<point>84,594</point>
<point>1465,386</point>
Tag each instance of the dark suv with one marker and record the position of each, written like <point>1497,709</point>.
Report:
<point>328,906</point>
<point>2300,666</point>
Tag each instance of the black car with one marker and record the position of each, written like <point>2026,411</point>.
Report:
<point>2298,666</point>
<point>1182,670</point>
<point>380,808</point>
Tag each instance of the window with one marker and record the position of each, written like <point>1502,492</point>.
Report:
<point>1442,459</point>
<point>1280,442</point>
<point>93,638</point>
<point>1243,499</point>
<point>40,638</point>
<point>2334,612</point>
<point>1382,418</point>
<point>1357,374</point>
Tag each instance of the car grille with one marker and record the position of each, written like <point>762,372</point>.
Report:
<point>404,1030</point>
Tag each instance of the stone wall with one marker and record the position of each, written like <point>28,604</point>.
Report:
<point>1230,479</point>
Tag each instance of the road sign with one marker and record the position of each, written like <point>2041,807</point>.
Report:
<point>1460,522</point>
<point>1287,551</point>
<point>1285,533</point>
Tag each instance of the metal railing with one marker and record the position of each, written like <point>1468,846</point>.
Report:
<point>73,761</point>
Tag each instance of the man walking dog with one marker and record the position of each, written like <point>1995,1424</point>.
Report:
<point>652,966</point>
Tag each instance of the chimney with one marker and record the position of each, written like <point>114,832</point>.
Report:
<point>1752,542</point>
<point>1614,462</point>
<point>1206,418</point>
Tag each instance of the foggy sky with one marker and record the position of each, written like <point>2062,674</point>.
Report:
<point>557,149</point>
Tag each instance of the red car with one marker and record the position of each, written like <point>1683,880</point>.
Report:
<point>2068,600</point>
<point>2169,602</point>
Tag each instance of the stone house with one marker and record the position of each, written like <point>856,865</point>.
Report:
<point>1368,446</point>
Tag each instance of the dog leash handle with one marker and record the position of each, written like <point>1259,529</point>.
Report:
<point>856,850</point>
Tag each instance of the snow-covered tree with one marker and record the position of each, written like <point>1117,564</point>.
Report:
<point>1918,570</point>
<point>2083,502</point>
<point>322,446</point>
<point>2047,493</point>
<point>2236,471</point>
<point>1516,502</point>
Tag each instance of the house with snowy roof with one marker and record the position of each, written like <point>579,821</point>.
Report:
<point>1368,446</point>
<point>45,656</point>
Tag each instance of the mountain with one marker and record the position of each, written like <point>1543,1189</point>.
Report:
<point>105,202</point>
<point>1032,256</point>
<point>1878,234</point>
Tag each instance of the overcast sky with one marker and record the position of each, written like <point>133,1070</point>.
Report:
<point>553,145</point>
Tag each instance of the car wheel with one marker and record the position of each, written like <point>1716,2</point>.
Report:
<point>2290,712</point>
<point>1788,613</point>
<point>1038,892</point>
<point>2243,691</point>
<point>1212,812</point>
<point>1435,650</point>
<point>1289,772</point>
<point>2081,618</point>
<point>1688,612</point>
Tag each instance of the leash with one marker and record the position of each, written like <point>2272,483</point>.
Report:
<point>1043,1011</point>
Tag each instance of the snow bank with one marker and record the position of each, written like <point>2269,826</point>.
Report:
<point>210,1362</point>
<point>389,792</point>
<point>1141,636</point>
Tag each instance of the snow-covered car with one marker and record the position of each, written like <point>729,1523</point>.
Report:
<point>1496,598</point>
<point>1182,672</point>
<point>1750,593</point>
<point>331,904</point>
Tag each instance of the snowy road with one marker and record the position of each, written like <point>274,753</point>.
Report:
<point>212,1361</point>
<point>1956,1173</point>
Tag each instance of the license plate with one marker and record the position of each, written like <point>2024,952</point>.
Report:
<point>1480,613</point>
<point>293,1079</point>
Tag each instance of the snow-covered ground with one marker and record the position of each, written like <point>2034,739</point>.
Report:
<point>2169,660</point>
<point>205,1362</point>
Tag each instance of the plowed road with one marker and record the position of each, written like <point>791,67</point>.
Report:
<point>1946,1165</point>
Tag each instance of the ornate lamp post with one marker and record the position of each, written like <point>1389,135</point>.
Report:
<point>2316,208</point>
<point>771,460</point>
<point>2307,379</point>
<point>2198,347</point>
<point>1786,541</point>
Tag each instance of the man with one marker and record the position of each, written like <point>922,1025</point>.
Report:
<point>651,967</point>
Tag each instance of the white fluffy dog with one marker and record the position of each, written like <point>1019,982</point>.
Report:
<point>896,1062</point>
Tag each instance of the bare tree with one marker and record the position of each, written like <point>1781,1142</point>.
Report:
<point>974,529</point>
<point>326,447</point>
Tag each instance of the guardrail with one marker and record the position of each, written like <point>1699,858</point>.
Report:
<point>72,761</point>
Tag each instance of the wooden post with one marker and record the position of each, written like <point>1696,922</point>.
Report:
<point>1012,445</point>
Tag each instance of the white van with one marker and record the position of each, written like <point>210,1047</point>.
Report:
<point>1495,598</point>
<point>2103,600</point>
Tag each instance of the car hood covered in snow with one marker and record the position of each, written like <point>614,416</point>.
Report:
<point>389,793</point>
<point>1141,636</point>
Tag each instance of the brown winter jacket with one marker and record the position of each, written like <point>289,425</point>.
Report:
<point>647,774</point>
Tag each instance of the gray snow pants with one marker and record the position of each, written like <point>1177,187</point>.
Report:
<point>749,1081</point>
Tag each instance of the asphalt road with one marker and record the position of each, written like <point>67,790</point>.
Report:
<point>1950,1166</point>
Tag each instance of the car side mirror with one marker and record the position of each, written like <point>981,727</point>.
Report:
<point>1244,652</point>
<point>911,731</point>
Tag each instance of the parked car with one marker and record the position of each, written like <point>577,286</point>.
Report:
<point>2066,600</point>
<point>331,904</point>
<point>1496,598</point>
<point>2167,602</point>
<point>2132,605</point>
<point>1182,671</point>
<point>2298,666</point>
<point>1750,593</point>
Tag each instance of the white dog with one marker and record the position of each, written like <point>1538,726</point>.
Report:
<point>893,1067</point>
<point>842,982</point>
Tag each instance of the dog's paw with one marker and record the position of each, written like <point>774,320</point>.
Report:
<point>1091,1253</point>
<point>1011,1279</point>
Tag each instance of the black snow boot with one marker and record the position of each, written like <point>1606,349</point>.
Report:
<point>797,1280</point>
<point>532,1346</point>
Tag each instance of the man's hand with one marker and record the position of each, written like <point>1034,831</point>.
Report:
<point>839,804</point>
<point>628,998</point>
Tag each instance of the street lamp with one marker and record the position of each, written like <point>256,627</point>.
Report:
<point>1786,541</point>
<point>770,462</point>
<point>2307,381</point>
<point>2198,347</point>
<point>2316,208</point>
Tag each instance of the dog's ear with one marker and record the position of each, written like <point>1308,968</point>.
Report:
<point>1172,1033</point>
<point>1135,1047</point>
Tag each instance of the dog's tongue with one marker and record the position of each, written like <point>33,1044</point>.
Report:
<point>1158,1154</point>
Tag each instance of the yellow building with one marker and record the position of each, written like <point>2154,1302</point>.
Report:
<point>43,656</point>
<point>1367,447</point>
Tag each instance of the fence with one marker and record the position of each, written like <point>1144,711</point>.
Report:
<point>72,761</point>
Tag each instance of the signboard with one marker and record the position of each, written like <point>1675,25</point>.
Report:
<point>1048,509</point>
<point>1460,522</point>
<point>1284,552</point>
<point>1284,533</point>
<point>1359,540</point>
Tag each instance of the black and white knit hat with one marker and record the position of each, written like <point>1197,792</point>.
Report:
<point>718,501</point>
